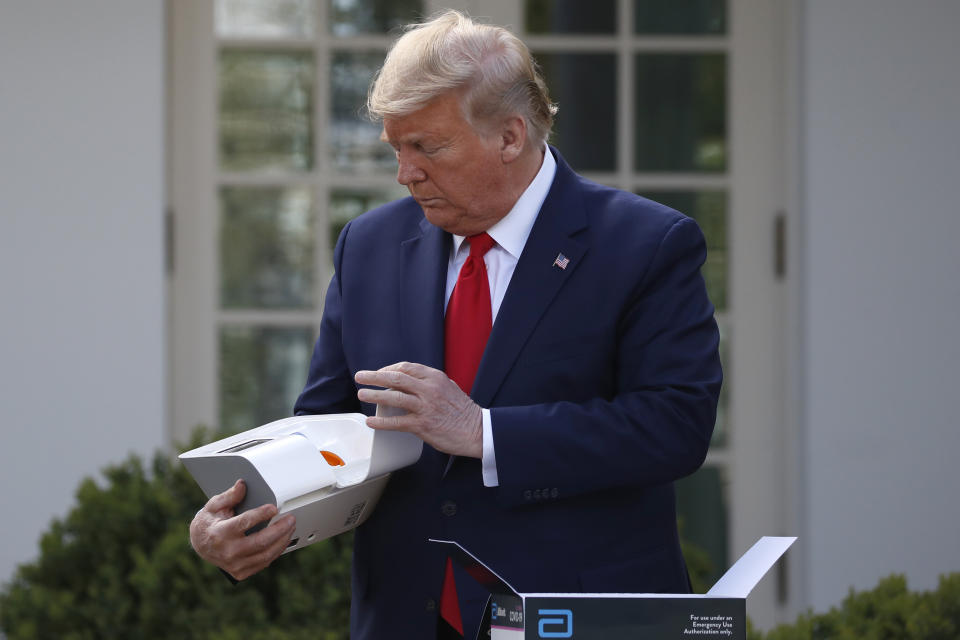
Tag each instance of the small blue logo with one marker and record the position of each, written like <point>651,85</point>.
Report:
<point>555,627</point>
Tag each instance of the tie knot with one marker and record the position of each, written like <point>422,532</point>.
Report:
<point>480,244</point>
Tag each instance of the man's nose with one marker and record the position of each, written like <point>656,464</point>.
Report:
<point>408,171</point>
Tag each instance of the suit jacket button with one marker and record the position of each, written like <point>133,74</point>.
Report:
<point>431,604</point>
<point>448,508</point>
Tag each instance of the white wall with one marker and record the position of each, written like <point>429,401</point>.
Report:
<point>881,210</point>
<point>81,254</point>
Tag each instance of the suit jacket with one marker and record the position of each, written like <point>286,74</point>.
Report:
<point>602,379</point>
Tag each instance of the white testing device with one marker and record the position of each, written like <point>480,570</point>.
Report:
<point>327,470</point>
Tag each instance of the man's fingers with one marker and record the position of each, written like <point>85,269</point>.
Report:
<point>256,544</point>
<point>275,547</point>
<point>389,397</point>
<point>249,519</point>
<point>399,375</point>
<point>414,369</point>
<point>405,422</point>
<point>386,379</point>
<point>228,499</point>
<point>258,551</point>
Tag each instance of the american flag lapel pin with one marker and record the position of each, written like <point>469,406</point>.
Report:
<point>561,261</point>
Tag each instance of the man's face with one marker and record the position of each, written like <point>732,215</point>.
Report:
<point>455,174</point>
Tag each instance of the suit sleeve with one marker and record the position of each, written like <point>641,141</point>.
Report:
<point>657,426</point>
<point>330,387</point>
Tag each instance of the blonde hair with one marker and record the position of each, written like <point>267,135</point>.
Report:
<point>450,52</point>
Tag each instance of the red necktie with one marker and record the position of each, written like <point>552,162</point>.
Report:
<point>467,327</point>
<point>469,318</point>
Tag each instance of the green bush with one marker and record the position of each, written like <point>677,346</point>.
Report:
<point>888,612</point>
<point>119,565</point>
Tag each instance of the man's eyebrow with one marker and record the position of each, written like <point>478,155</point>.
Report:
<point>385,138</point>
<point>411,138</point>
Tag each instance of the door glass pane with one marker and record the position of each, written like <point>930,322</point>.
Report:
<point>571,16</point>
<point>354,141</point>
<point>266,247</point>
<point>702,516</point>
<point>585,87</point>
<point>694,17</point>
<point>681,114</point>
<point>259,19</point>
<point>350,17</point>
<point>266,110</point>
<point>709,209</point>
<point>262,370</point>
<point>347,204</point>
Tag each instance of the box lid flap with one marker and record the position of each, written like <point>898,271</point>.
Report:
<point>476,569</point>
<point>743,576</point>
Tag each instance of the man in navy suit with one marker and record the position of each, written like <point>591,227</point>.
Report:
<point>598,384</point>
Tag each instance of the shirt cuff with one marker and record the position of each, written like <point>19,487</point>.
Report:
<point>489,460</point>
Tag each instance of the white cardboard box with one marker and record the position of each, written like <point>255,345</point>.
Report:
<point>720,613</point>
<point>289,463</point>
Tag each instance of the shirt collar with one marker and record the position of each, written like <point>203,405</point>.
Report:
<point>511,231</point>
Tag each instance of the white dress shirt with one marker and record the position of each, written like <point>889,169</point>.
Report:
<point>510,235</point>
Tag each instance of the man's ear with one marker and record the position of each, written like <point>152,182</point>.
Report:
<point>513,138</point>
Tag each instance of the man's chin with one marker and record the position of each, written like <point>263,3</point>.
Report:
<point>442,216</point>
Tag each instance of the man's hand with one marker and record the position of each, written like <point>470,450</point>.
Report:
<point>438,412</point>
<point>218,536</point>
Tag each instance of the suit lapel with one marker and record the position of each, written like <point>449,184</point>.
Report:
<point>424,277</point>
<point>536,280</point>
<point>425,258</point>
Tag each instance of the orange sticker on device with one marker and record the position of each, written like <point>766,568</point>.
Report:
<point>332,459</point>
